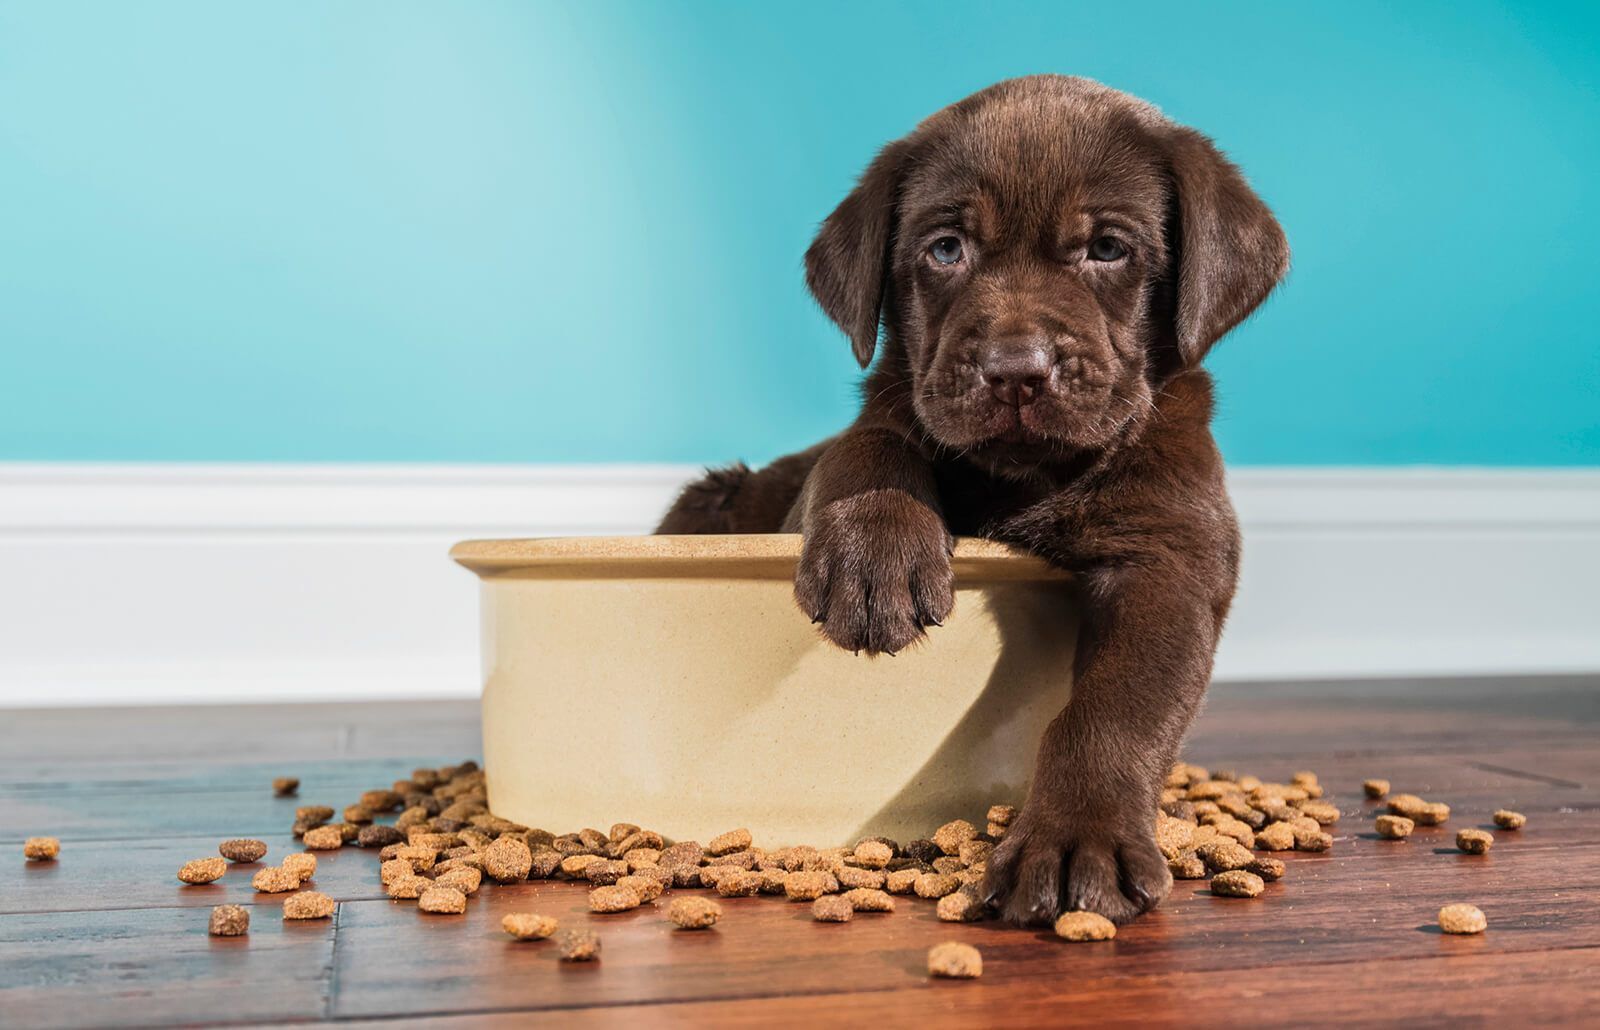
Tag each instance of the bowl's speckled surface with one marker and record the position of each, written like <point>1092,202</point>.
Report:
<point>672,682</point>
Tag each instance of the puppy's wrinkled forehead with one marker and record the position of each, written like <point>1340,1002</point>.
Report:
<point>1038,162</point>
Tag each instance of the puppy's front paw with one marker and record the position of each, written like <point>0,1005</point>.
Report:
<point>875,571</point>
<point>1048,864</point>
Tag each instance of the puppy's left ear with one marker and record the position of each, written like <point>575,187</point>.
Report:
<point>1230,251</point>
<point>847,264</point>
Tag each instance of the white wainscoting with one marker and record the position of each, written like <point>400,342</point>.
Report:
<point>166,583</point>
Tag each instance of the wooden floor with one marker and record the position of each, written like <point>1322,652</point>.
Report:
<point>107,935</point>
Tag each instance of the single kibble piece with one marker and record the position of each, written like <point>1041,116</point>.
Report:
<point>526,926</point>
<point>307,905</point>
<point>1187,866</point>
<point>1394,827</point>
<point>1223,855</point>
<point>977,852</point>
<point>1267,867</point>
<point>649,888</point>
<point>41,849</point>
<point>850,877</point>
<point>1237,883</point>
<point>464,879</point>
<point>1002,814</point>
<point>935,885</point>
<point>1375,788</point>
<point>1085,926</point>
<point>613,899</point>
<point>443,901</point>
<point>409,887</point>
<point>1275,837</point>
<point>1509,820</point>
<point>865,899</point>
<point>376,836</point>
<point>901,881</point>
<point>1462,919</point>
<point>203,870</point>
<point>690,913</point>
<point>871,854</point>
<point>728,843</point>
<point>324,838</point>
<point>242,850</point>
<point>230,921</point>
<point>1407,805</point>
<point>578,945</point>
<point>809,886</point>
<point>274,880</point>
<point>285,786</point>
<point>302,864</point>
<point>955,961</point>
<point>953,834</point>
<point>605,872</point>
<point>737,883</point>
<point>507,860</point>
<point>1306,839</point>
<point>1324,813</point>
<point>832,908</point>
<point>960,907</point>
<point>1433,814</point>
<point>1474,842</point>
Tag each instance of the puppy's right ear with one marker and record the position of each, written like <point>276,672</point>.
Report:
<point>847,265</point>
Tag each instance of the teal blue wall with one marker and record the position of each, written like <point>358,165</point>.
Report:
<point>572,232</point>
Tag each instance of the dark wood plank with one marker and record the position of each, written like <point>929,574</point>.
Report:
<point>158,967</point>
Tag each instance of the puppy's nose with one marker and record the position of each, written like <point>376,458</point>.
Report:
<point>1016,369</point>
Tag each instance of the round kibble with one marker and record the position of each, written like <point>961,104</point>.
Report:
<point>1275,837</point>
<point>1237,883</point>
<point>649,888</point>
<point>203,870</point>
<point>871,854</point>
<point>242,850</point>
<point>960,907</point>
<point>1324,813</point>
<point>690,913</point>
<point>285,786</point>
<point>1394,827</point>
<point>935,885</point>
<point>737,883</point>
<point>1433,814</point>
<point>303,864</point>
<point>953,834</point>
<point>526,926</point>
<point>831,908</point>
<point>728,843</point>
<point>901,881</point>
<point>1267,867</point>
<point>1002,814</point>
<point>809,886</point>
<point>324,838</point>
<point>1085,926</point>
<point>1407,805</point>
<point>1222,855</point>
<point>307,905</point>
<point>1463,919</point>
<point>955,961</point>
<point>578,945</point>
<point>1474,842</point>
<point>1375,788</point>
<point>229,921</point>
<point>1187,866</point>
<point>377,836</point>
<point>409,887</point>
<point>1311,840</point>
<point>41,849</point>
<point>463,878</point>
<point>274,880</point>
<point>1509,820</point>
<point>851,877</point>
<point>507,860</point>
<point>866,899</point>
<point>613,899</point>
<point>442,901</point>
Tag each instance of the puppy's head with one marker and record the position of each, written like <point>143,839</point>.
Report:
<point>1044,255</point>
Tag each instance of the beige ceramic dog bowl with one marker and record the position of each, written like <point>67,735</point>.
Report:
<point>672,682</point>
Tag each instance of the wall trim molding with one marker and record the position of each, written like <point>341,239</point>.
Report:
<point>231,582</point>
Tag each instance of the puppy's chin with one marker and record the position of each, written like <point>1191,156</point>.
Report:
<point>1000,436</point>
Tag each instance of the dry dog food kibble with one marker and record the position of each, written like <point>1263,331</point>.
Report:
<point>737,883</point>
<point>274,880</point>
<point>324,838</point>
<point>953,834</point>
<point>1223,855</point>
<point>507,860</point>
<point>691,913</point>
<point>865,899</point>
<point>954,960</point>
<point>1474,842</point>
<point>1085,926</point>
<point>832,908</point>
<point>286,786</point>
<point>464,879</point>
<point>41,849</point>
<point>442,901</point>
<point>525,926</point>
<point>1267,868</point>
<point>302,864</point>
<point>728,843</point>
<point>901,881</point>
<point>376,836</point>
<point>1187,866</point>
<point>229,921</point>
<point>1237,883</point>
<point>307,905</point>
<point>1509,820</point>
<point>935,885</point>
<point>1275,837</point>
<point>871,854</point>
<point>1432,814</point>
<point>649,888</point>
<point>409,887</point>
<point>960,907</point>
<point>578,945</point>
<point>1394,827</point>
<point>1375,788</point>
<point>1462,919</point>
<point>242,850</point>
<point>613,899</point>
<point>809,886</point>
<point>203,870</point>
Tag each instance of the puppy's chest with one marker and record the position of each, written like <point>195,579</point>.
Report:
<point>977,504</point>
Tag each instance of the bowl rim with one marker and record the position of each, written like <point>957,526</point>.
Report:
<point>733,555</point>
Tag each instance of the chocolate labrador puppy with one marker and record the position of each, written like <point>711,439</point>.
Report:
<point>1049,261</point>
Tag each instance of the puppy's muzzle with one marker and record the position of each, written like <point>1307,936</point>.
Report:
<point>1017,369</point>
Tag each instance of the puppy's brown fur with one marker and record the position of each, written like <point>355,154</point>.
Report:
<point>1041,388</point>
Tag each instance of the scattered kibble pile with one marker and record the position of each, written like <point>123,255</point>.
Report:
<point>444,842</point>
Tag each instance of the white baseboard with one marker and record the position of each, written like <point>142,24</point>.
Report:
<point>188,583</point>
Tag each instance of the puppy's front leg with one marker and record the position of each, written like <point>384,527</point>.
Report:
<point>875,566</point>
<point>1085,838</point>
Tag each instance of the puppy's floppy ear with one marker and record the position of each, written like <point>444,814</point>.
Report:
<point>1229,251</point>
<point>848,263</point>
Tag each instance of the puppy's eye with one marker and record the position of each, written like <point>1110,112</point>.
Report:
<point>946,250</point>
<point>1107,248</point>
